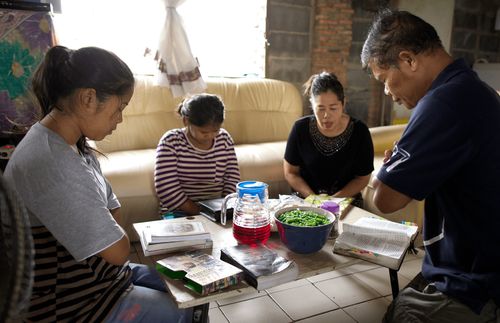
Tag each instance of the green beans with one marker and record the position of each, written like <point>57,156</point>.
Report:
<point>303,218</point>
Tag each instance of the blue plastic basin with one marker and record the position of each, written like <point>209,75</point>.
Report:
<point>304,239</point>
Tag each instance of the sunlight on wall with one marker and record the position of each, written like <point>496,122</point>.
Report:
<point>227,36</point>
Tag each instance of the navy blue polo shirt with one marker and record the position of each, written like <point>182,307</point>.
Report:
<point>449,155</point>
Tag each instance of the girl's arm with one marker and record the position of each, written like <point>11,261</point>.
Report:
<point>166,178</point>
<point>232,173</point>
<point>292,176</point>
<point>117,253</point>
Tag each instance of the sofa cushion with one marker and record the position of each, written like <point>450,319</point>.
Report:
<point>264,162</point>
<point>257,110</point>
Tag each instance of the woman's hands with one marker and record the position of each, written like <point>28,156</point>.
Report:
<point>292,176</point>
<point>190,207</point>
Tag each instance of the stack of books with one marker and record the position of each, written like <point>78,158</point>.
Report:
<point>164,236</point>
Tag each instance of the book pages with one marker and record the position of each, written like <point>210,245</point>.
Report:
<point>385,226</point>
<point>380,241</point>
<point>378,245</point>
<point>167,231</point>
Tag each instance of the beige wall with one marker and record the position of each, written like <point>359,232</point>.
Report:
<point>438,13</point>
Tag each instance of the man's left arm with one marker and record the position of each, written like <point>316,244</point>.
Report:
<point>388,200</point>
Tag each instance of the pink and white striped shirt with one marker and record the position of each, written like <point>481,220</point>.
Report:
<point>183,171</point>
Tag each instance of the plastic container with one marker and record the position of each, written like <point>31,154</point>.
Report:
<point>304,240</point>
<point>251,223</point>
<point>335,209</point>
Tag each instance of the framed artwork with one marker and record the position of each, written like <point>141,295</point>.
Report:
<point>26,33</point>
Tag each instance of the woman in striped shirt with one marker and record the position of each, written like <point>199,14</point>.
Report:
<point>197,162</point>
<point>81,270</point>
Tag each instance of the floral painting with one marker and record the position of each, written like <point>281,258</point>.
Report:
<point>24,38</point>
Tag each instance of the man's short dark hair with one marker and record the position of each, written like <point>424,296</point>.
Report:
<point>394,31</point>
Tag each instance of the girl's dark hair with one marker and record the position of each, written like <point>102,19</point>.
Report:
<point>394,31</point>
<point>324,82</point>
<point>202,109</point>
<point>64,70</point>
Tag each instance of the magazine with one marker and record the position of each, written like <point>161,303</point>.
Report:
<point>199,271</point>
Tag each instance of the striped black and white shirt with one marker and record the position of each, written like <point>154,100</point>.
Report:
<point>183,171</point>
<point>68,290</point>
<point>69,202</point>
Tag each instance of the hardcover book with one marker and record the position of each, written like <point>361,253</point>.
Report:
<point>379,241</point>
<point>174,246</point>
<point>200,272</point>
<point>212,209</point>
<point>263,268</point>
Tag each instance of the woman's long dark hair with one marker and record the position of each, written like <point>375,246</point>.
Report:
<point>64,70</point>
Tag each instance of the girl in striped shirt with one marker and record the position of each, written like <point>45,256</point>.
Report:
<point>197,162</point>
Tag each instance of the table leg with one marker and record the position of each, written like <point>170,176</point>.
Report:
<point>200,313</point>
<point>393,275</point>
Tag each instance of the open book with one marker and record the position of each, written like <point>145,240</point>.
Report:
<point>379,241</point>
<point>263,267</point>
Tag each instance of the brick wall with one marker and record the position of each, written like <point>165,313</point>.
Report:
<point>332,37</point>
<point>339,31</point>
<point>309,36</point>
<point>473,35</point>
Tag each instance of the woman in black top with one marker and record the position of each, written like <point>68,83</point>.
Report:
<point>328,152</point>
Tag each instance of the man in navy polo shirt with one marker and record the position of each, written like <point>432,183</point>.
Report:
<point>448,155</point>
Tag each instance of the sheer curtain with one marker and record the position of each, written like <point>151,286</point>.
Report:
<point>178,69</point>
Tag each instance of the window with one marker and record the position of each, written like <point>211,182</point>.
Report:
<point>226,36</point>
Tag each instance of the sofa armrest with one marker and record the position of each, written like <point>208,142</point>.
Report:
<point>383,137</point>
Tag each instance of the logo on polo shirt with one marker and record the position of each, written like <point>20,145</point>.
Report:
<point>398,156</point>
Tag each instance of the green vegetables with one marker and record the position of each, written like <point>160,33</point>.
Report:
<point>303,218</point>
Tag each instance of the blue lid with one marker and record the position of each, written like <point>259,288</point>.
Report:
<point>252,188</point>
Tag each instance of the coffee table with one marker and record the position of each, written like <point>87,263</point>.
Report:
<point>309,265</point>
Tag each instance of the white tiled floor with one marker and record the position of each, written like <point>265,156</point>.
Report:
<point>359,293</point>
